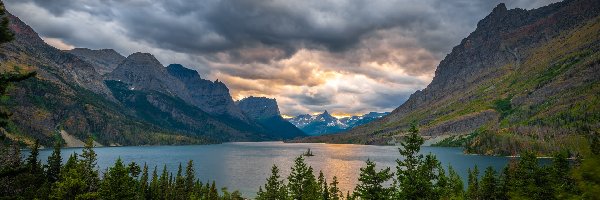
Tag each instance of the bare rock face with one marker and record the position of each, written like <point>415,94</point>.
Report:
<point>212,97</point>
<point>103,60</point>
<point>266,113</point>
<point>259,107</point>
<point>142,71</point>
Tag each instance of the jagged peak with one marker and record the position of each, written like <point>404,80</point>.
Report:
<point>180,70</point>
<point>501,7</point>
<point>140,55</point>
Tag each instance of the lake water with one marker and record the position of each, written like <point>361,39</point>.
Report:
<point>244,166</point>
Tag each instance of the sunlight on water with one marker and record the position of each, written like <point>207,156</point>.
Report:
<point>244,166</point>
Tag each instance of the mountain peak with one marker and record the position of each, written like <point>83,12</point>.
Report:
<point>259,107</point>
<point>103,60</point>
<point>501,7</point>
<point>179,70</point>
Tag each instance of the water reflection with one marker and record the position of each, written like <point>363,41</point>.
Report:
<point>245,166</point>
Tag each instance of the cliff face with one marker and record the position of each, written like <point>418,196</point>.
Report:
<point>266,112</point>
<point>259,107</point>
<point>212,97</point>
<point>103,60</point>
<point>142,71</point>
<point>519,71</point>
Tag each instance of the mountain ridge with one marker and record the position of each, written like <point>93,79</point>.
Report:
<point>521,75</point>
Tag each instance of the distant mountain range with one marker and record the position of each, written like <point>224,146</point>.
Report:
<point>120,100</point>
<point>325,123</point>
<point>522,80</point>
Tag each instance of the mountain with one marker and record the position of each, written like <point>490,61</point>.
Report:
<point>523,80</point>
<point>266,112</point>
<point>212,97</point>
<point>67,95</point>
<point>324,123</point>
<point>133,101</point>
<point>319,124</point>
<point>355,121</point>
<point>104,61</point>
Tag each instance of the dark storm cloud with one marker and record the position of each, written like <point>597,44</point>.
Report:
<point>353,56</point>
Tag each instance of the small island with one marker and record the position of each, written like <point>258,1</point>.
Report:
<point>308,153</point>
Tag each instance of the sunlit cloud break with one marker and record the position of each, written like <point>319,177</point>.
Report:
<point>347,57</point>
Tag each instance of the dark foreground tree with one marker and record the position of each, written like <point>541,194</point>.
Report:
<point>371,182</point>
<point>275,189</point>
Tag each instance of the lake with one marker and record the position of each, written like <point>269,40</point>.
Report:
<point>244,166</point>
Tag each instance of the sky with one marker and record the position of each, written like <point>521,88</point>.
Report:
<point>347,57</point>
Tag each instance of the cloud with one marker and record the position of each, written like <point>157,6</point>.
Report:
<point>343,56</point>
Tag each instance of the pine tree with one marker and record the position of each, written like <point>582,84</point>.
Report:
<point>143,192</point>
<point>213,194</point>
<point>54,163</point>
<point>301,181</point>
<point>190,177</point>
<point>33,164</point>
<point>407,169</point>
<point>371,182</point>
<point>274,188</point>
<point>88,166</point>
<point>334,191</point>
<point>473,184</point>
<point>117,183</point>
<point>5,34</point>
<point>455,185</point>
<point>154,187</point>
<point>179,189</point>
<point>417,177</point>
<point>163,183</point>
<point>489,184</point>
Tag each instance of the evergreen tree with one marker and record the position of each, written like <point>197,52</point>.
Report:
<point>408,178</point>
<point>274,188</point>
<point>5,34</point>
<point>301,181</point>
<point>455,185</point>
<point>334,191</point>
<point>88,166</point>
<point>179,189</point>
<point>163,184</point>
<point>154,187</point>
<point>489,185</point>
<point>54,163</point>
<point>213,194</point>
<point>190,177</point>
<point>473,184</point>
<point>33,164</point>
<point>587,175</point>
<point>143,192</point>
<point>117,183</point>
<point>371,182</point>
<point>561,179</point>
<point>71,184</point>
<point>417,177</point>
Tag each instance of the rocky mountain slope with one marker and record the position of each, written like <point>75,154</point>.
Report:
<point>324,123</point>
<point>524,79</point>
<point>104,61</point>
<point>212,97</point>
<point>139,102</point>
<point>266,112</point>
